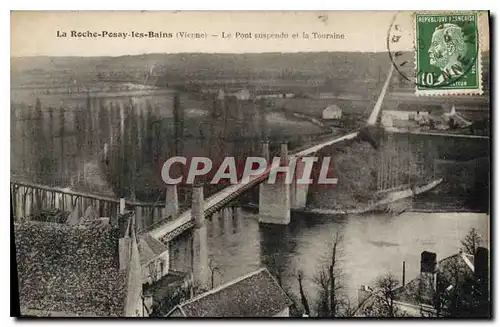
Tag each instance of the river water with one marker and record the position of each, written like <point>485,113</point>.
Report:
<point>371,244</point>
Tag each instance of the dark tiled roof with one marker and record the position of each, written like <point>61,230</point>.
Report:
<point>254,295</point>
<point>69,269</point>
<point>417,291</point>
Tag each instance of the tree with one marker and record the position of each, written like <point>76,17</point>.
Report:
<point>384,305</point>
<point>303,298</point>
<point>457,290</point>
<point>276,266</point>
<point>213,268</point>
<point>471,242</point>
<point>463,292</point>
<point>331,301</point>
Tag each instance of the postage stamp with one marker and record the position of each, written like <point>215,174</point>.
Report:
<point>447,54</point>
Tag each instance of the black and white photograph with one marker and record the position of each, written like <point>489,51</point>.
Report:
<point>232,164</point>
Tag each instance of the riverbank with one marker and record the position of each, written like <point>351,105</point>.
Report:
<point>378,206</point>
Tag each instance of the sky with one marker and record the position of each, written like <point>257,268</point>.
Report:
<point>35,33</point>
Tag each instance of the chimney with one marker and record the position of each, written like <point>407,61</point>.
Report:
<point>428,266</point>
<point>428,262</point>
<point>481,272</point>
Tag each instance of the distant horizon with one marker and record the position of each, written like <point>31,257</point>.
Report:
<point>208,53</point>
<point>187,53</point>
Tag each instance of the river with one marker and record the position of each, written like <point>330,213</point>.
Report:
<point>372,244</point>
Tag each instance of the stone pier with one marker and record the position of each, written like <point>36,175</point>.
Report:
<point>298,191</point>
<point>200,246</point>
<point>274,199</point>
<point>171,202</point>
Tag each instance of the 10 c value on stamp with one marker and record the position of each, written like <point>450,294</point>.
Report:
<point>447,54</point>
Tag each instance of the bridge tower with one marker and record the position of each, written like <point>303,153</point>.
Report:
<point>200,246</point>
<point>274,199</point>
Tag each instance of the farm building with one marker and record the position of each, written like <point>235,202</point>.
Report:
<point>390,117</point>
<point>243,94</point>
<point>221,94</point>
<point>332,112</point>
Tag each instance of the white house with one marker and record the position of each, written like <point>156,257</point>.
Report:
<point>221,94</point>
<point>390,116</point>
<point>332,112</point>
<point>243,94</point>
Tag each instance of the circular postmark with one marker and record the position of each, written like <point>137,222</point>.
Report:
<point>444,48</point>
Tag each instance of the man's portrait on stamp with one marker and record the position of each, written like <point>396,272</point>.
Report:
<point>447,56</point>
<point>447,51</point>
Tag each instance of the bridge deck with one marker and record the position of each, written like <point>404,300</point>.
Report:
<point>168,230</point>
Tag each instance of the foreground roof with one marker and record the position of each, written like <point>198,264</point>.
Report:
<point>68,269</point>
<point>254,295</point>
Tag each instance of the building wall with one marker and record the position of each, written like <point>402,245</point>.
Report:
<point>159,270</point>
<point>332,113</point>
<point>405,115</point>
<point>180,253</point>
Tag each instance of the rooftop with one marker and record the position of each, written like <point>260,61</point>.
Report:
<point>150,248</point>
<point>69,269</point>
<point>333,107</point>
<point>254,295</point>
<point>420,290</point>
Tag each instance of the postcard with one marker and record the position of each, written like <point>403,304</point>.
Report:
<point>251,164</point>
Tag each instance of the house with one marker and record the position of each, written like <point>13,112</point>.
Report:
<point>221,94</point>
<point>256,294</point>
<point>417,298</point>
<point>86,270</point>
<point>273,95</point>
<point>243,94</point>
<point>332,112</point>
<point>159,280</point>
<point>401,118</point>
<point>457,119</point>
<point>154,258</point>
